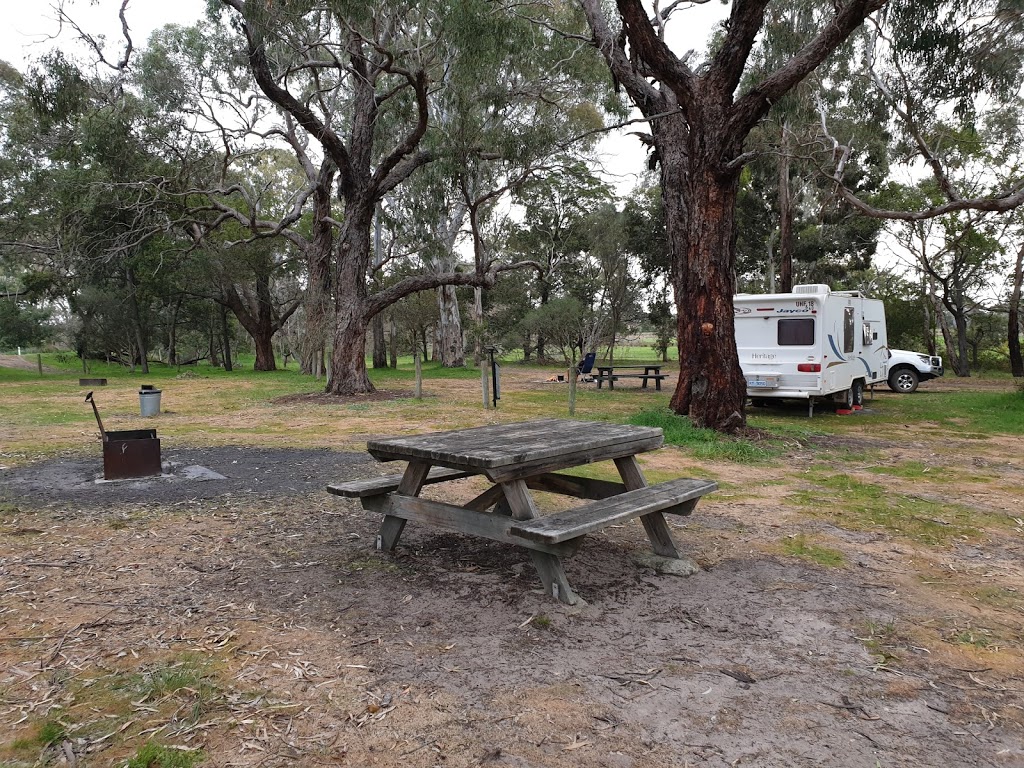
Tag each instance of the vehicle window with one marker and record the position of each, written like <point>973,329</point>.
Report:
<point>868,339</point>
<point>796,332</point>
<point>848,329</point>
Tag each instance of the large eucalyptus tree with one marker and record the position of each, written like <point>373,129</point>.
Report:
<point>699,122</point>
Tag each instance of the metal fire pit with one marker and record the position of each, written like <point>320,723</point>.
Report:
<point>128,452</point>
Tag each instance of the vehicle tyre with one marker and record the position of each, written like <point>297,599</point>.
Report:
<point>857,392</point>
<point>904,380</point>
<point>847,402</point>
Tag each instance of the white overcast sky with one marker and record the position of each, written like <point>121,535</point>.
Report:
<point>28,25</point>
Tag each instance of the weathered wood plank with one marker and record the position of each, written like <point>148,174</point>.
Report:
<point>498,446</point>
<point>578,457</point>
<point>654,523</point>
<point>672,496</point>
<point>574,485</point>
<point>374,486</point>
<point>461,520</point>
<point>391,526</point>
<point>552,576</point>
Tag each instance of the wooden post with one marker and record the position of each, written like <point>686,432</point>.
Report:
<point>39,362</point>
<point>484,385</point>
<point>572,387</point>
<point>419,374</point>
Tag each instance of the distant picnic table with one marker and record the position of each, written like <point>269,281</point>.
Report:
<point>519,458</point>
<point>612,373</point>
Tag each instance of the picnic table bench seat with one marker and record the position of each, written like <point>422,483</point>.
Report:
<point>678,496</point>
<point>378,486</point>
<point>658,378</point>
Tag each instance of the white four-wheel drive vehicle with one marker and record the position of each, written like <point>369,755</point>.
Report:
<point>908,369</point>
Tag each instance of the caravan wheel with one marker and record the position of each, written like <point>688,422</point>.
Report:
<point>857,392</point>
<point>847,399</point>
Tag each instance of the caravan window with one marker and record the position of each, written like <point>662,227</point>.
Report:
<point>796,332</point>
<point>868,336</point>
<point>848,329</point>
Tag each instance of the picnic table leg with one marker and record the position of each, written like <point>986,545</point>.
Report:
<point>521,505</point>
<point>657,529</point>
<point>391,527</point>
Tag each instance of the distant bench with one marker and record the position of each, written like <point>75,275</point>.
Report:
<point>612,373</point>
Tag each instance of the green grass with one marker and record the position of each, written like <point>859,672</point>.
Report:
<point>799,546</point>
<point>980,413</point>
<point>857,505</point>
<point>152,755</point>
<point>705,443</point>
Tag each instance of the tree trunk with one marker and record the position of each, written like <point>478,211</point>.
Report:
<point>786,217</point>
<point>214,355</point>
<point>956,362</point>
<point>263,331</point>
<point>225,335</point>
<point>393,342</point>
<point>172,333</point>
<point>1013,326</point>
<point>450,328</point>
<point>478,325</point>
<point>317,299</point>
<point>545,293</point>
<point>962,346</point>
<point>265,360</point>
<point>380,344</point>
<point>700,204</point>
<point>140,336</point>
<point>348,357</point>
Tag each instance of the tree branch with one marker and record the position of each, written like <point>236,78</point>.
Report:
<point>664,64</point>
<point>754,104</point>
<point>745,22</point>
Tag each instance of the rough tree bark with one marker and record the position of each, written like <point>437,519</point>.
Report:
<point>1013,326</point>
<point>319,252</point>
<point>786,216</point>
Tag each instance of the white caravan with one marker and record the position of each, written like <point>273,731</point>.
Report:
<point>813,344</point>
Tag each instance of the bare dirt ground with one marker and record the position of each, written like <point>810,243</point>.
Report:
<point>249,617</point>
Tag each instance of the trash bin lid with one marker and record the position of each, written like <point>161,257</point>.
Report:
<point>149,391</point>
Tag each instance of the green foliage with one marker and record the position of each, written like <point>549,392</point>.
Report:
<point>22,325</point>
<point>663,320</point>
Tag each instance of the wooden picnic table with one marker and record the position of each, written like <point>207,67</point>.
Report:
<point>519,458</point>
<point>650,371</point>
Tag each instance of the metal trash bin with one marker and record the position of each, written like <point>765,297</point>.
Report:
<point>149,400</point>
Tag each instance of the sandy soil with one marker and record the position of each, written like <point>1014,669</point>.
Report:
<point>308,648</point>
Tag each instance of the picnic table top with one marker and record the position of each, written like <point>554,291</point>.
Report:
<point>541,443</point>
<point>645,366</point>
